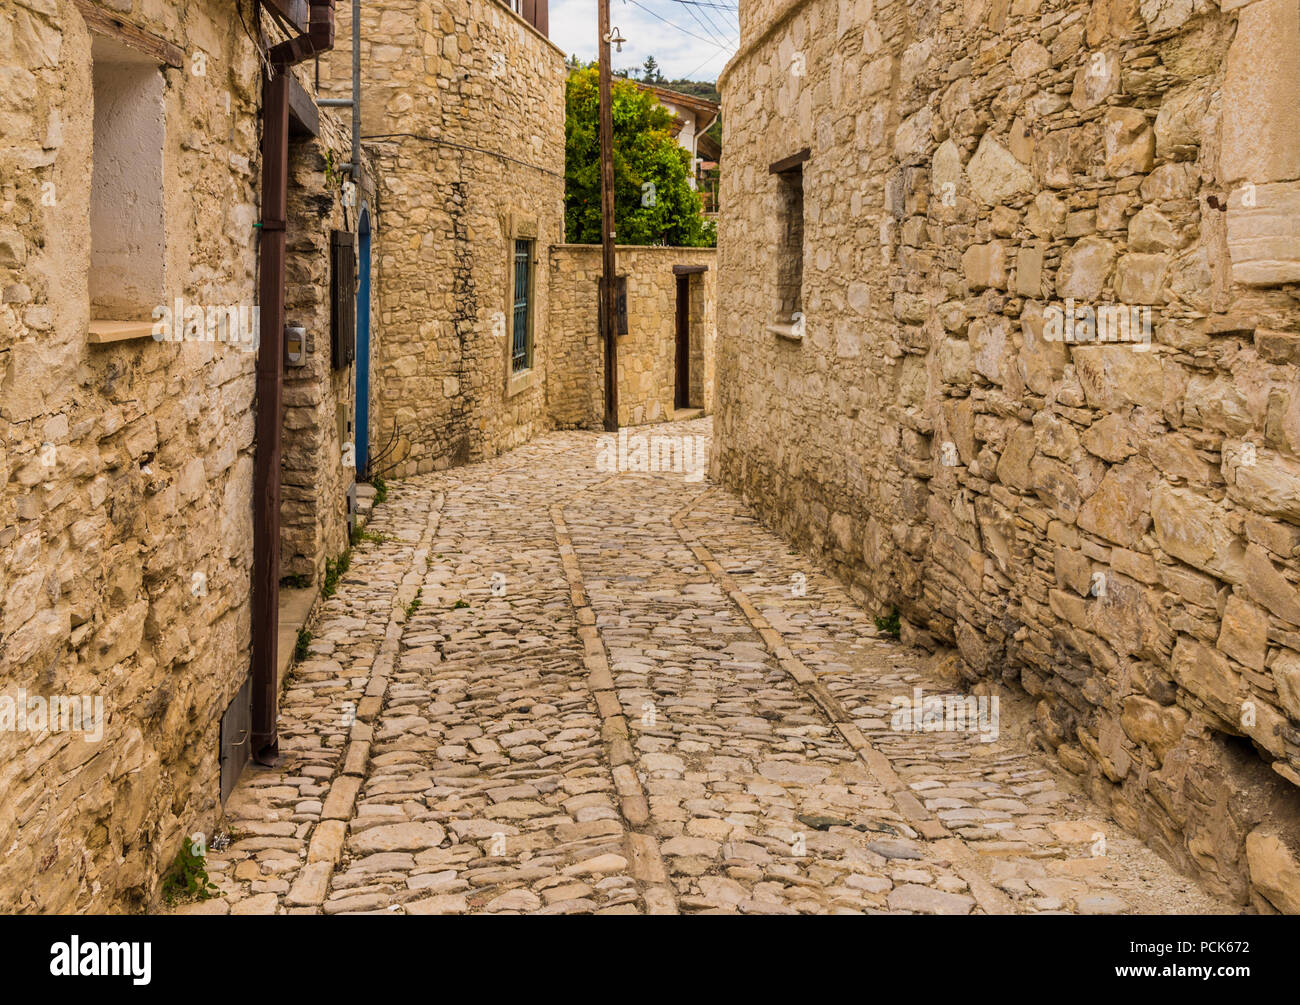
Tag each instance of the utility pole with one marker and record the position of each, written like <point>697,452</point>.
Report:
<point>609,285</point>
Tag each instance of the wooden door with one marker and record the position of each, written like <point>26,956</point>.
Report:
<point>682,399</point>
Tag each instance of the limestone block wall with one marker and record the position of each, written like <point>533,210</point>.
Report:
<point>647,354</point>
<point>463,111</point>
<point>126,469</point>
<point>319,401</point>
<point>1113,526</point>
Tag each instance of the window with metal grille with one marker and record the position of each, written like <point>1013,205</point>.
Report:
<point>521,354</point>
<point>343,299</point>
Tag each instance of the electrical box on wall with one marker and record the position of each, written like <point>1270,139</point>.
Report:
<point>620,303</point>
<point>295,345</point>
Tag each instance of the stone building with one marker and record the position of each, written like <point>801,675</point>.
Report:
<point>463,113</point>
<point>692,117</point>
<point>933,211</point>
<point>129,330</point>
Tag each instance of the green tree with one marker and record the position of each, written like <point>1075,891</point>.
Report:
<point>650,71</point>
<point>653,200</point>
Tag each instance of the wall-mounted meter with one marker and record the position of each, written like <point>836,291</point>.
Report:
<point>295,345</point>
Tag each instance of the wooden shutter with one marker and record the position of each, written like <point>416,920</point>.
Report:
<point>343,299</point>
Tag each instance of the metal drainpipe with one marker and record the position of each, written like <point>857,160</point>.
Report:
<point>356,92</point>
<point>270,377</point>
<point>353,102</point>
<point>270,388</point>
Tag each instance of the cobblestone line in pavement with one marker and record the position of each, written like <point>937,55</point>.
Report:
<point>988,897</point>
<point>1042,841</point>
<point>645,859</point>
<point>490,789</point>
<point>326,847</point>
<point>284,821</point>
<point>758,803</point>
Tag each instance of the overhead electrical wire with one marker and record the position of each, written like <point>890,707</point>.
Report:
<point>684,31</point>
<point>708,26</point>
<point>721,24</point>
<point>707,14</point>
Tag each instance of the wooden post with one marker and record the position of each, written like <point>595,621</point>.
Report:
<point>609,321</point>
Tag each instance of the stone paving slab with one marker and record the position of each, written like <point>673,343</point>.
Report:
<point>549,688</point>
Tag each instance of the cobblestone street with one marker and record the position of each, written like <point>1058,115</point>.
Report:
<point>542,687</point>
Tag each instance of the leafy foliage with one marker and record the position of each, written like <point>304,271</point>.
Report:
<point>334,571</point>
<point>644,152</point>
<point>889,625</point>
<point>187,879</point>
<point>300,650</point>
<point>360,534</point>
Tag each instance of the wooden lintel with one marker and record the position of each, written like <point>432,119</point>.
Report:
<point>791,162</point>
<point>102,22</point>
<point>689,270</point>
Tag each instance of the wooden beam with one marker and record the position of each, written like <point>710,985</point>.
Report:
<point>294,13</point>
<point>111,26</point>
<point>304,116</point>
<point>689,270</point>
<point>791,162</point>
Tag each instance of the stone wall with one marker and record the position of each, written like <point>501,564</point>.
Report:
<point>1113,526</point>
<point>647,354</point>
<point>126,470</point>
<point>319,401</point>
<point>463,111</point>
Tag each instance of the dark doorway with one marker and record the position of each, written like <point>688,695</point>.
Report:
<point>682,398</point>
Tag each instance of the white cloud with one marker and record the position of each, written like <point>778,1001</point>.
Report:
<point>692,44</point>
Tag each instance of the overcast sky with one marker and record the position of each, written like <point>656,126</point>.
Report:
<point>687,38</point>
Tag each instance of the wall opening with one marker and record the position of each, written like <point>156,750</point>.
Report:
<point>788,283</point>
<point>127,230</point>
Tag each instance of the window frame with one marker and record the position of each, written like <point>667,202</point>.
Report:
<point>519,227</point>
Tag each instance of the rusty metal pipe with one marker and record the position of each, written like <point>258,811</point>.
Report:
<point>270,378</point>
